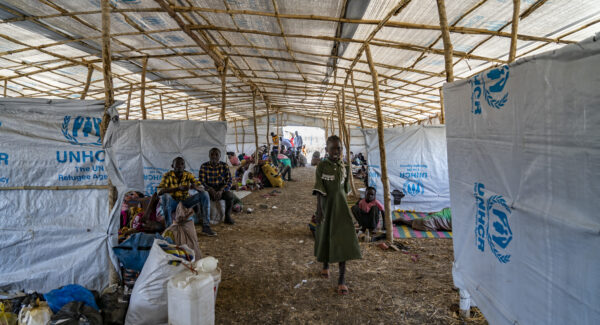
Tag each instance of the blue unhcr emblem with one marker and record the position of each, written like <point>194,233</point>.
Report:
<point>491,223</point>
<point>151,188</point>
<point>413,188</point>
<point>491,84</point>
<point>84,131</point>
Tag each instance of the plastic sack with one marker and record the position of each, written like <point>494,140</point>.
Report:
<point>39,315</point>
<point>207,264</point>
<point>134,251</point>
<point>217,212</point>
<point>57,298</point>
<point>7,318</point>
<point>148,303</point>
<point>191,299</point>
<point>183,231</point>
<point>272,175</point>
<point>76,313</point>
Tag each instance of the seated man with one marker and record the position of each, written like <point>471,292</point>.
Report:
<point>174,188</point>
<point>368,210</point>
<point>216,178</point>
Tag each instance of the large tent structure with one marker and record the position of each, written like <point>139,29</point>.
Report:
<point>173,59</point>
<point>339,65</point>
<point>361,63</point>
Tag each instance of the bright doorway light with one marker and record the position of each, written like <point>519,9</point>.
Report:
<point>312,137</point>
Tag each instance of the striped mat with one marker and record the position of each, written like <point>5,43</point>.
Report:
<point>402,231</point>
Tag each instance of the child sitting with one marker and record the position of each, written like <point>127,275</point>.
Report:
<point>367,211</point>
<point>248,182</point>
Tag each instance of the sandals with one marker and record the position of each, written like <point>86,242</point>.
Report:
<point>342,289</point>
<point>325,274</point>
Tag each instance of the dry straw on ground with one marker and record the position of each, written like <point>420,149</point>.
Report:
<point>270,252</point>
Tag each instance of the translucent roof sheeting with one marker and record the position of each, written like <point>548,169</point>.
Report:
<point>296,54</point>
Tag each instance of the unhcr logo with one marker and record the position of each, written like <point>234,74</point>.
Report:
<point>413,188</point>
<point>82,130</point>
<point>491,85</point>
<point>491,223</point>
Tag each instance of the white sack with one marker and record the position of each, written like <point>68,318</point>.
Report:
<point>416,165</point>
<point>51,238</point>
<point>148,303</point>
<point>524,162</point>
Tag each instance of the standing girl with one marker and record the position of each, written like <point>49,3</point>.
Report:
<point>335,240</point>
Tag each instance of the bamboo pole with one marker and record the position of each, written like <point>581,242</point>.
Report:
<point>277,126</point>
<point>109,98</point>
<point>88,81</point>
<point>5,87</point>
<point>223,70</point>
<point>143,88</point>
<point>206,113</point>
<point>187,113</point>
<point>128,102</point>
<point>393,24</point>
<point>332,125</point>
<point>268,125</point>
<point>237,147</point>
<point>446,39</point>
<point>346,134</point>
<point>162,112</point>
<point>348,137</point>
<point>339,120</point>
<point>383,161</point>
<point>255,129</point>
<point>243,138</point>
<point>515,25</point>
<point>443,112</point>
<point>57,188</point>
<point>362,124</point>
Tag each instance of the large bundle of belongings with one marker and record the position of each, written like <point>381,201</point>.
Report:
<point>172,284</point>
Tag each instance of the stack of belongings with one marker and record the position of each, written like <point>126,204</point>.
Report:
<point>140,213</point>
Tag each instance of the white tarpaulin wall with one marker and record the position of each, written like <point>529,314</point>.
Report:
<point>357,141</point>
<point>140,152</point>
<point>416,164</point>
<point>50,238</point>
<point>524,159</point>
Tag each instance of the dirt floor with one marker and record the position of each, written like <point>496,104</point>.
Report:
<point>270,276</point>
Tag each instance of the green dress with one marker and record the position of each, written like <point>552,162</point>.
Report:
<point>335,236</point>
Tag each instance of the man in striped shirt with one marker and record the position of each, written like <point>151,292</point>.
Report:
<point>214,175</point>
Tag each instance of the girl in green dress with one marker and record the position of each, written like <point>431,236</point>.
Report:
<point>335,240</point>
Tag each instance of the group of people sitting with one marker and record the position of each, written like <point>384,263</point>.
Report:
<point>156,212</point>
<point>251,175</point>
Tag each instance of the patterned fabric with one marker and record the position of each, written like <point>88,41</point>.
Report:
<point>215,176</point>
<point>170,180</point>
<point>275,140</point>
